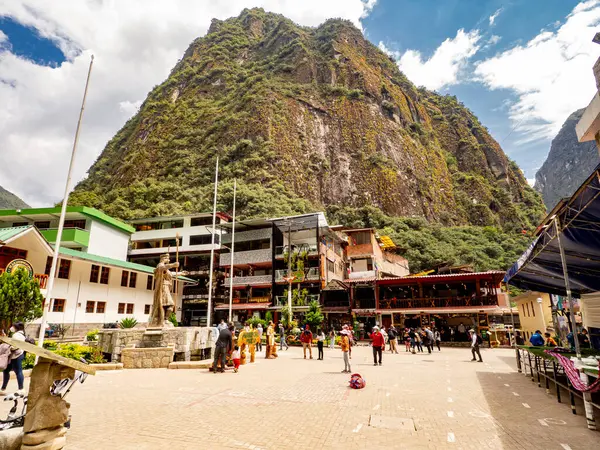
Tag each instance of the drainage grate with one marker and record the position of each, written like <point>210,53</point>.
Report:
<point>392,423</point>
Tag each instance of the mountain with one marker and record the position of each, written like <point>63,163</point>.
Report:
<point>306,119</point>
<point>8,200</point>
<point>568,164</point>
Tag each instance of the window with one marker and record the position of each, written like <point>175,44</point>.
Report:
<point>94,273</point>
<point>100,307</point>
<point>89,307</point>
<point>104,275</point>
<point>129,308</point>
<point>150,283</point>
<point>132,279</point>
<point>363,237</point>
<point>202,239</point>
<point>527,309</point>
<point>64,268</point>
<point>20,224</point>
<point>147,309</point>
<point>42,225</point>
<point>75,224</point>
<point>48,265</point>
<point>199,221</point>
<point>532,309</point>
<point>58,305</point>
<point>121,308</point>
<point>124,278</point>
<point>169,243</point>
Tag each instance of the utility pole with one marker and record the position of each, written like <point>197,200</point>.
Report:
<point>212,247</point>
<point>232,252</point>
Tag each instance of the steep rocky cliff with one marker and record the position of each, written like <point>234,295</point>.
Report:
<point>568,164</point>
<point>306,119</point>
<point>8,200</point>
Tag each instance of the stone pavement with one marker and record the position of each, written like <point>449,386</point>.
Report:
<point>421,401</point>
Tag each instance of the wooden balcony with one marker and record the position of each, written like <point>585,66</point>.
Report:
<point>445,302</point>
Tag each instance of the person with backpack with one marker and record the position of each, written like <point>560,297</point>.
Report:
<point>306,339</point>
<point>14,361</point>
<point>393,337</point>
<point>476,341</point>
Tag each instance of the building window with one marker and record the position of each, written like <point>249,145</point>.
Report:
<point>100,307</point>
<point>132,279</point>
<point>147,309</point>
<point>48,265</point>
<point>75,224</point>
<point>527,309</point>
<point>42,225</point>
<point>104,275</point>
<point>362,237</point>
<point>199,221</point>
<point>64,268</point>
<point>58,305</point>
<point>94,273</point>
<point>121,308</point>
<point>20,224</point>
<point>129,308</point>
<point>150,283</point>
<point>124,278</point>
<point>532,309</point>
<point>89,307</point>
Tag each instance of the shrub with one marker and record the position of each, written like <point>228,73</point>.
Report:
<point>128,322</point>
<point>29,361</point>
<point>78,351</point>
<point>91,335</point>
<point>173,320</point>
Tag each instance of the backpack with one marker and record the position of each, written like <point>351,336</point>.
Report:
<point>479,340</point>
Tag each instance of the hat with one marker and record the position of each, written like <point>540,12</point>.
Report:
<point>471,330</point>
<point>375,328</point>
<point>345,327</point>
<point>344,332</point>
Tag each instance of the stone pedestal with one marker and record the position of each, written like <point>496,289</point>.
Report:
<point>147,358</point>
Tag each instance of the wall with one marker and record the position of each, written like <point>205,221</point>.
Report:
<point>107,241</point>
<point>531,323</point>
<point>590,310</point>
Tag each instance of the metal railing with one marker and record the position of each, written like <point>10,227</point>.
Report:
<point>282,300</point>
<point>310,249</point>
<point>300,275</point>
<point>257,279</point>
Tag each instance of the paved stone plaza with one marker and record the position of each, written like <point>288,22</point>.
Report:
<point>419,401</point>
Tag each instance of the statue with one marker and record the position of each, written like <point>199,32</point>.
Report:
<point>163,304</point>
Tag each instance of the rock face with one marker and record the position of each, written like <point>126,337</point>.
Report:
<point>8,200</point>
<point>568,164</point>
<point>306,119</point>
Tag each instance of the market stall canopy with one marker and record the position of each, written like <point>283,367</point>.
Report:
<point>577,222</point>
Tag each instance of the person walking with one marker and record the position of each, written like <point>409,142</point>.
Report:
<point>430,339</point>
<point>419,341</point>
<point>320,342</point>
<point>393,337</point>
<point>476,341</point>
<point>259,330</point>
<point>306,338</point>
<point>282,340</point>
<point>438,338</point>
<point>222,347</point>
<point>412,334</point>
<point>332,339</point>
<point>378,343</point>
<point>345,346</point>
<point>14,358</point>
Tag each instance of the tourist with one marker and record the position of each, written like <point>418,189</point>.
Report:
<point>413,340</point>
<point>320,342</point>
<point>14,360</point>
<point>385,337</point>
<point>222,325</point>
<point>419,340</point>
<point>332,338</point>
<point>430,339</point>
<point>259,329</point>
<point>536,339</point>
<point>222,347</point>
<point>378,343</point>
<point>393,336</point>
<point>452,333</point>
<point>282,340</point>
<point>519,338</point>
<point>476,341</point>
<point>306,338</point>
<point>438,338</point>
<point>549,341</point>
<point>407,339</point>
<point>345,346</point>
<point>235,356</point>
<point>461,331</point>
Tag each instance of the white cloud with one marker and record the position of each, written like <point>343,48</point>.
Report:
<point>531,181</point>
<point>494,39</point>
<point>3,37</point>
<point>494,16</point>
<point>443,68</point>
<point>551,75</point>
<point>135,45</point>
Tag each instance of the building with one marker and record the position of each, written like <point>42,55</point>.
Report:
<point>369,255</point>
<point>535,312</point>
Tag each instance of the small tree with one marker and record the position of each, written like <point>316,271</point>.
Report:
<point>20,298</point>
<point>314,317</point>
<point>286,316</point>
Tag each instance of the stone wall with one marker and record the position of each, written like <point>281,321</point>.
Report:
<point>147,358</point>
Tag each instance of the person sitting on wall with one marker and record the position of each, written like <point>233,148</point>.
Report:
<point>536,339</point>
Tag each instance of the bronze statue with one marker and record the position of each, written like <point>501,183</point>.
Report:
<point>162,306</point>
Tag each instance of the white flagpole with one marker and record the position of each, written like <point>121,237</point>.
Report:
<point>212,248</point>
<point>63,212</point>
<point>232,252</point>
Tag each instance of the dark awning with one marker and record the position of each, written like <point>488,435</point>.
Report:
<point>577,222</point>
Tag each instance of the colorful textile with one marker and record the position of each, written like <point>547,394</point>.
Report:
<point>357,381</point>
<point>573,373</point>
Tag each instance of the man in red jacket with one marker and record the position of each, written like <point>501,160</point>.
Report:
<point>306,339</point>
<point>378,342</point>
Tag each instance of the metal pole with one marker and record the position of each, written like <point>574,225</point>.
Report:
<point>232,252</point>
<point>177,270</point>
<point>212,247</point>
<point>63,213</point>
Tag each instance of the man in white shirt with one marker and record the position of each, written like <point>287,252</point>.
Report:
<point>475,345</point>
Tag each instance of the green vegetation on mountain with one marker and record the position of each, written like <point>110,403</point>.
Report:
<point>306,119</point>
<point>8,200</point>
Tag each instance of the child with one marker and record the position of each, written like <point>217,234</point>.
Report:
<point>235,356</point>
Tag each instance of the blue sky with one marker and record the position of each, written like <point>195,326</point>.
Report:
<point>522,66</point>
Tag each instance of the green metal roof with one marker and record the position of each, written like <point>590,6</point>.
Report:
<point>112,262</point>
<point>9,233</point>
<point>90,212</point>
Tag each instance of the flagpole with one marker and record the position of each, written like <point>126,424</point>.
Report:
<point>232,252</point>
<point>212,248</point>
<point>63,212</point>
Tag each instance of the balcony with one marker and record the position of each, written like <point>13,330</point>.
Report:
<point>262,299</point>
<point>300,275</point>
<point>250,280</point>
<point>248,257</point>
<point>310,249</point>
<point>282,300</point>
<point>363,274</point>
<point>446,302</point>
<point>75,236</point>
<point>365,303</point>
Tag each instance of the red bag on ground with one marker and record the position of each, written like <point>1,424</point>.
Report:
<point>357,381</point>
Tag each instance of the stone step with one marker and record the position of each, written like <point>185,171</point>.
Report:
<point>204,364</point>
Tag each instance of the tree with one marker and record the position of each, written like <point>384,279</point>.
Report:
<point>286,316</point>
<point>314,317</point>
<point>20,298</point>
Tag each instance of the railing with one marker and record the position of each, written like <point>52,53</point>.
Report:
<point>263,299</point>
<point>300,275</point>
<point>444,302</point>
<point>336,304</point>
<point>282,300</point>
<point>310,249</point>
<point>246,257</point>
<point>257,279</point>
<point>365,303</point>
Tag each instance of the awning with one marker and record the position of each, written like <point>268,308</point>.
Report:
<point>243,306</point>
<point>577,222</point>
